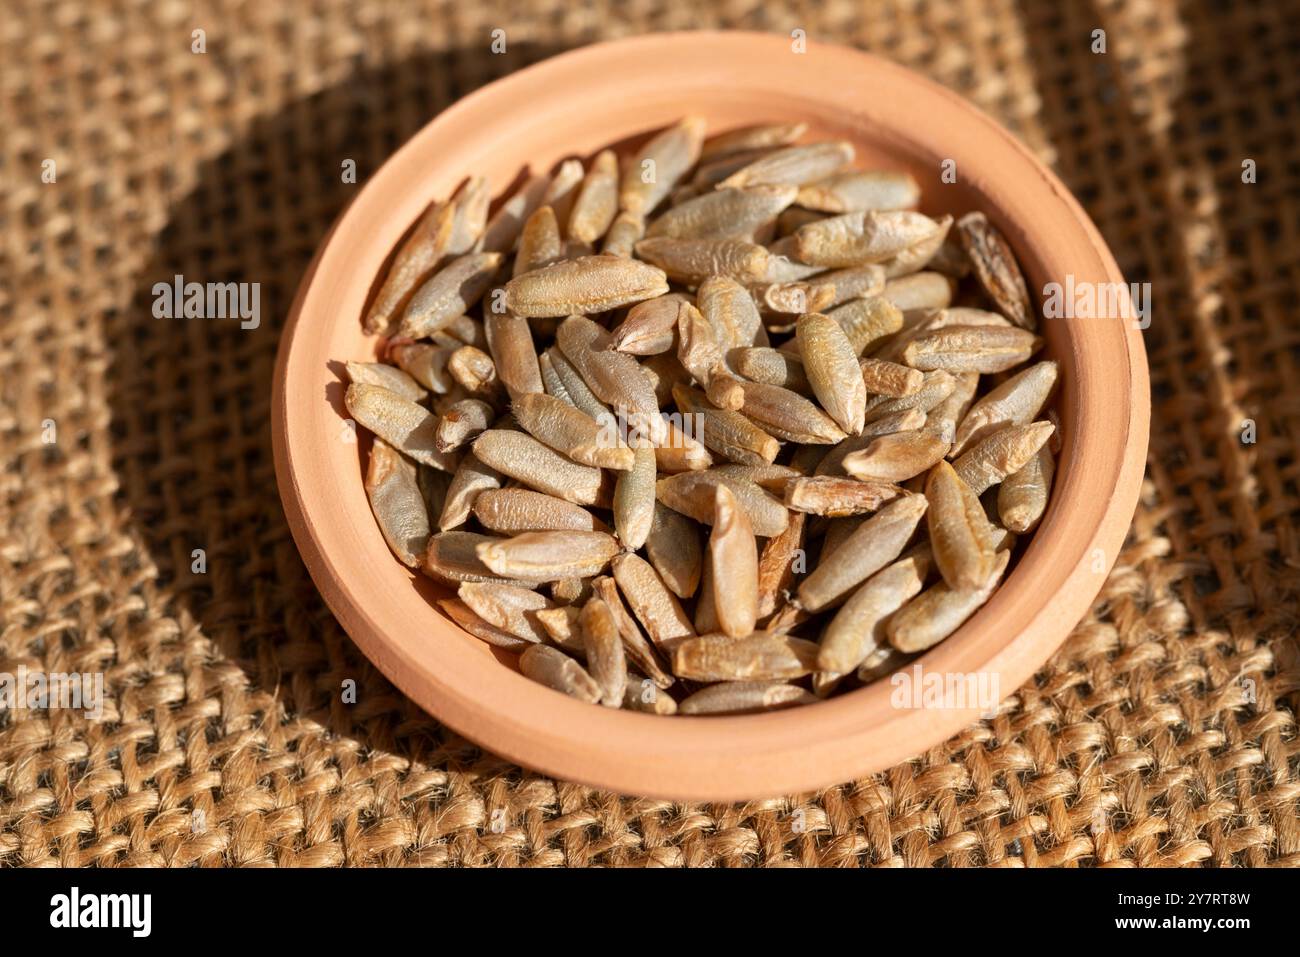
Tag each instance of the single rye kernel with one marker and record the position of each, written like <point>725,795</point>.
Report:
<point>861,190</point>
<point>788,415</point>
<point>462,423</point>
<point>653,604</point>
<point>553,668</point>
<point>510,342</point>
<point>509,511</point>
<point>919,291</point>
<point>540,243</point>
<point>896,457</point>
<point>512,608</point>
<point>961,536</point>
<point>465,617</point>
<point>761,656</point>
<point>660,165</point>
<point>1001,453</point>
<point>449,293</point>
<point>733,559</point>
<point>596,203</point>
<point>983,349</point>
<point>634,498</point>
<point>723,213</point>
<point>548,556</point>
<point>570,432</point>
<point>691,261</point>
<point>649,326</point>
<point>833,372</point>
<point>760,136</point>
<point>856,238</point>
<point>940,610</point>
<point>470,479</point>
<point>606,662</point>
<point>587,284</point>
<point>522,457</point>
<point>408,427</point>
<point>745,697</point>
<point>838,497</point>
<point>673,548</point>
<point>996,268</point>
<point>397,504</point>
<point>1022,496</point>
<point>730,312</point>
<point>782,559</point>
<point>386,377</point>
<point>793,165</point>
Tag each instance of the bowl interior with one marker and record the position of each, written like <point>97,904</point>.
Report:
<point>574,106</point>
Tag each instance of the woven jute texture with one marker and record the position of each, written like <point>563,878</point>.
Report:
<point>1163,733</point>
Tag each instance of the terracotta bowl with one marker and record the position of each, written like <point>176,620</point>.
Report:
<point>575,104</point>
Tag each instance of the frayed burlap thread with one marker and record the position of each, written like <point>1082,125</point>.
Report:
<point>1162,733</point>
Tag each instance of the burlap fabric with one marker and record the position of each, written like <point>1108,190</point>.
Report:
<point>1163,733</point>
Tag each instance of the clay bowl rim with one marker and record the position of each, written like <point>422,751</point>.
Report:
<point>463,684</point>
